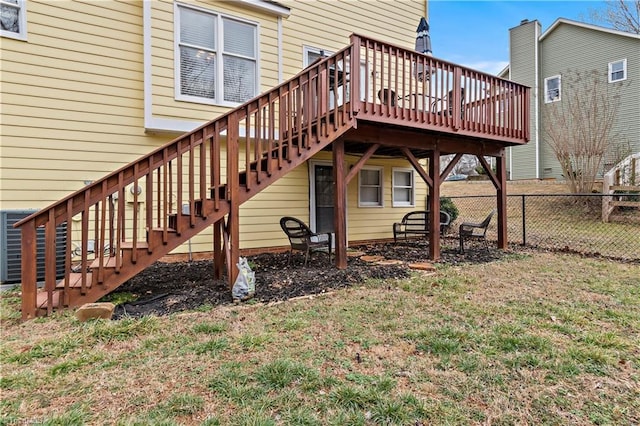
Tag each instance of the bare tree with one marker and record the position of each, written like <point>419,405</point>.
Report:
<point>580,127</point>
<point>623,15</point>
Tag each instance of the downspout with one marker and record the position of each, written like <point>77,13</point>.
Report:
<point>537,97</point>
<point>146,62</point>
<point>280,49</point>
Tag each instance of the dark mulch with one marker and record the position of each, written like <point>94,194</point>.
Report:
<point>166,288</point>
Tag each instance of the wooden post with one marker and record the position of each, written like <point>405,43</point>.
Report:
<point>340,204</point>
<point>218,251</point>
<point>501,171</point>
<point>28,272</point>
<point>434,205</point>
<point>233,194</point>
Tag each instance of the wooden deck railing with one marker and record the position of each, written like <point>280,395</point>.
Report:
<point>403,87</point>
<point>123,222</point>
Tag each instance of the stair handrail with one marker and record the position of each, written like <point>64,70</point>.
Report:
<point>612,179</point>
<point>247,107</point>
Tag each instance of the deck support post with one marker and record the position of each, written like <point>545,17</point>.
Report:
<point>434,205</point>
<point>501,171</point>
<point>218,249</point>
<point>233,196</point>
<point>28,272</point>
<point>340,204</point>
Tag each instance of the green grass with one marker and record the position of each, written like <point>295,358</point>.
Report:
<point>535,338</point>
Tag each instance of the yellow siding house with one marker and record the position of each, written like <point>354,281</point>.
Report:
<point>89,86</point>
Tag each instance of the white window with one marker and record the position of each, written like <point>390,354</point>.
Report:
<point>617,71</point>
<point>312,54</point>
<point>13,18</point>
<point>216,57</point>
<point>370,187</point>
<point>403,188</point>
<point>552,89</point>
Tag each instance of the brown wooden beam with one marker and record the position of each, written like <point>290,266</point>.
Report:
<point>450,166</point>
<point>356,167</point>
<point>340,204</point>
<point>400,137</point>
<point>492,176</point>
<point>28,269</point>
<point>218,249</point>
<point>417,166</point>
<point>501,169</point>
<point>434,206</point>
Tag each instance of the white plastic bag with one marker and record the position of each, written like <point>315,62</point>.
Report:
<point>245,286</point>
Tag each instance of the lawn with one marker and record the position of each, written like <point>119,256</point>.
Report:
<point>535,338</point>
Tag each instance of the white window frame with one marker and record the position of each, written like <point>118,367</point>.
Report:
<point>219,50</point>
<point>309,49</point>
<point>411,187</point>
<point>22,20</point>
<point>611,71</point>
<point>380,187</point>
<point>548,100</point>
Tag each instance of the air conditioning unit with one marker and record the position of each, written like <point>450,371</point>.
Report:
<point>10,250</point>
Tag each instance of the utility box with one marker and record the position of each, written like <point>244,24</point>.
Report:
<point>10,249</point>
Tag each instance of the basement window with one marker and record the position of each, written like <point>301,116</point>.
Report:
<point>403,186</point>
<point>370,187</point>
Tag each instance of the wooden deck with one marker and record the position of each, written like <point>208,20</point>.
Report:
<point>369,98</point>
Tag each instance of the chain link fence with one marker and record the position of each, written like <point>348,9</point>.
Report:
<point>561,222</point>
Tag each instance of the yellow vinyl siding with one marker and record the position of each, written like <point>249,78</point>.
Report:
<point>73,100</point>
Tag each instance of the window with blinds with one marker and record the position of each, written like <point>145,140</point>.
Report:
<point>216,57</point>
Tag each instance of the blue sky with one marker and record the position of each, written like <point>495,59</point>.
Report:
<point>476,33</point>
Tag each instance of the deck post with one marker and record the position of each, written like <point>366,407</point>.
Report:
<point>501,171</point>
<point>218,250</point>
<point>28,272</point>
<point>233,195</point>
<point>340,204</point>
<point>434,205</point>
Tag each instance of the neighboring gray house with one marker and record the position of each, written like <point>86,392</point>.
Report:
<point>539,60</point>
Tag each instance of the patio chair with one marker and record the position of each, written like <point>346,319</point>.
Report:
<point>475,231</point>
<point>448,104</point>
<point>387,96</point>
<point>301,238</point>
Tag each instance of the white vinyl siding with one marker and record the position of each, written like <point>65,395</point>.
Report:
<point>617,71</point>
<point>403,188</point>
<point>370,187</point>
<point>216,57</point>
<point>552,89</point>
<point>13,18</point>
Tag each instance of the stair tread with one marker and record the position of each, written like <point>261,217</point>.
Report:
<point>75,280</point>
<point>109,262</point>
<point>625,203</point>
<point>42,299</point>
<point>129,245</point>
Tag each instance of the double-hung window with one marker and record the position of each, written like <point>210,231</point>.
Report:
<point>216,57</point>
<point>617,71</point>
<point>13,19</point>
<point>403,188</point>
<point>552,89</point>
<point>370,187</point>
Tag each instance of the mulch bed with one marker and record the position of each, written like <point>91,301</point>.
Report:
<point>167,288</point>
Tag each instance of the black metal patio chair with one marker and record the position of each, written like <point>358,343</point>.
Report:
<point>475,231</point>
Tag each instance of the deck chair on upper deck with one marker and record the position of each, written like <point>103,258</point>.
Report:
<point>447,104</point>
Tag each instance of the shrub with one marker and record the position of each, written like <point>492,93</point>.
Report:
<point>446,205</point>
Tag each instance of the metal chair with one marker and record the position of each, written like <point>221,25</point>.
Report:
<point>301,238</point>
<point>477,231</point>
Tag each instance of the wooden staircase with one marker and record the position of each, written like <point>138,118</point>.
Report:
<point>621,187</point>
<point>146,209</point>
